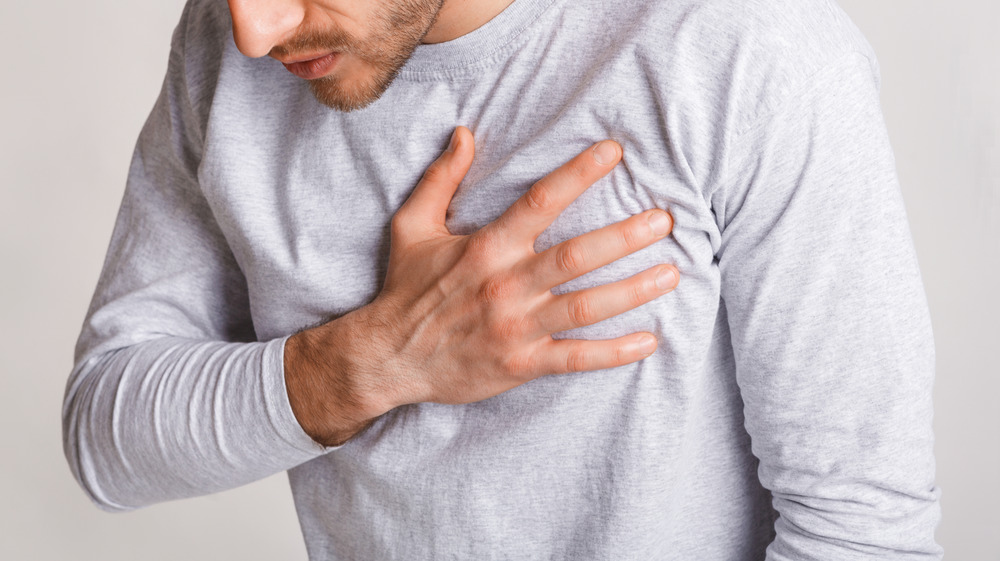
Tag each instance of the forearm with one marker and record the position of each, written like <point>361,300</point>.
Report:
<point>173,418</point>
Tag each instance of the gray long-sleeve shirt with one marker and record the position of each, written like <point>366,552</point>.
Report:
<point>787,408</point>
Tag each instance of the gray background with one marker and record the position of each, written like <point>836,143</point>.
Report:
<point>78,79</point>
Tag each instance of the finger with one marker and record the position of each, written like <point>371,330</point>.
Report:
<point>586,252</point>
<point>591,305</point>
<point>577,355</point>
<point>531,214</point>
<point>426,208</point>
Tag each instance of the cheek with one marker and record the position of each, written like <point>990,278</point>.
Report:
<point>349,16</point>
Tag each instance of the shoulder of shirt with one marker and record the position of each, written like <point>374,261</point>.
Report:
<point>197,47</point>
<point>205,24</point>
<point>743,57</point>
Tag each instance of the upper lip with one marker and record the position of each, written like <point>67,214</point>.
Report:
<point>302,58</point>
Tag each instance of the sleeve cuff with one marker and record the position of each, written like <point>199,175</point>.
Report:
<point>279,408</point>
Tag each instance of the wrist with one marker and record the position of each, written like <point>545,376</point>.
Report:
<point>332,393</point>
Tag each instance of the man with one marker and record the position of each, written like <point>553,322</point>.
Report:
<point>782,411</point>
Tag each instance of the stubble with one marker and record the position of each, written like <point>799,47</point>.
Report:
<point>368,66</point>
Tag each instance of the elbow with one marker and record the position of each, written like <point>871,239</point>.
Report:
<point>84,453</point>
<point>878,521</point>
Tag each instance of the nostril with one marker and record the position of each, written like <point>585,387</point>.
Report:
<point>259,25</point>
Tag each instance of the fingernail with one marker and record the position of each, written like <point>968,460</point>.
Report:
<point>647,346</point>
<point>659,222</point>
<point>605,153</point>
<point>454,140</point>
<point>666,278</point>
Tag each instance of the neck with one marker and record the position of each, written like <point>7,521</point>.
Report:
<point>458,17</point>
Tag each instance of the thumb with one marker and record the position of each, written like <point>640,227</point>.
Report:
<point>427,206</point>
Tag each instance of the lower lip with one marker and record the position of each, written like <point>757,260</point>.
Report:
<point>313,69</point>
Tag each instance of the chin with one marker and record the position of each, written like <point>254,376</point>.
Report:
<point>353,85</point>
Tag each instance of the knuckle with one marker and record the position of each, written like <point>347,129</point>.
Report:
<point>619,356</point>
<point>581,312</point>
<point>632,237</point>
<point>579,170</point>
<point>569,257</point>
<point>577,360</point>
<point>635,295</point>
<point>496,289</point>
<point>400,223</point>
<point>400,226</point>
<point>538,197</point>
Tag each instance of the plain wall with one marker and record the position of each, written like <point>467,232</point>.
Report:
<point>78,80</point>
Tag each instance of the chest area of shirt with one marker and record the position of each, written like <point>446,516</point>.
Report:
<point>306,205</point>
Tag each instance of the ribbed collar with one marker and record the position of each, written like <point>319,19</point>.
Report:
<point>476,50</point>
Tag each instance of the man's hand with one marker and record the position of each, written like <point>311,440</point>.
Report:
<point>464,318</point>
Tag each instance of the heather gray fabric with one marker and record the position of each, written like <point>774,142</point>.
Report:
<point>787,408</point>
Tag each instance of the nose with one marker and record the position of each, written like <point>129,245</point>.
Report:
<point>259,25</point>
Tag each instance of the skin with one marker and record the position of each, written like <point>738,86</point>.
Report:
<point>373,40</point>
<point>459,318</point>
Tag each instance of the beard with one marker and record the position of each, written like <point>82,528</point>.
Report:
<point>365,68</point>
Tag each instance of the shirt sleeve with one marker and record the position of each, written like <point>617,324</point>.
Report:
<point>830,326</point>
<point>170,395</point>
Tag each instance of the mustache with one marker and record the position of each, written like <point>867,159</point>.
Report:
<point>310,41</point>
